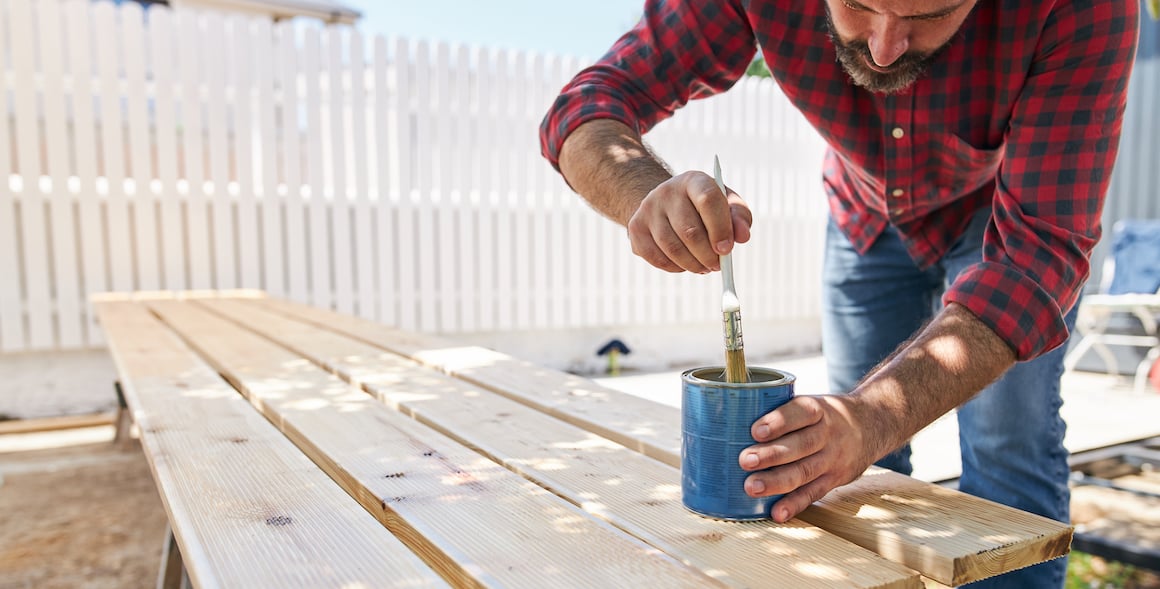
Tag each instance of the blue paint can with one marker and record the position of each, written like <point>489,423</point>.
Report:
<point>716,420</point>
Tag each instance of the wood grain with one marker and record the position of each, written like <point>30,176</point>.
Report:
<point>951,537</point>
<point>474,521</point>
<point>247,507</point>
<point>631,491</point>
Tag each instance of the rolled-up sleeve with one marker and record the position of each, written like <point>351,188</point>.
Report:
<point>679,51</point>
<point>1061,145</point>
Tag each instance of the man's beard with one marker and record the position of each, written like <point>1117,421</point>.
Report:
<point>903,72</point>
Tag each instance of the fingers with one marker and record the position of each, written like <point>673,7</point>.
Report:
<point>805,448</point>
<point>797,501</point>
<point>798,413</point>
<point>783,450</point>
<point>686,223</point>
<point>713,208</point>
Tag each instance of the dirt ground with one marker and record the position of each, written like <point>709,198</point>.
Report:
<point>79,516</point>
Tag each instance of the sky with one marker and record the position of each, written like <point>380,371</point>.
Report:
<point>577,28</point>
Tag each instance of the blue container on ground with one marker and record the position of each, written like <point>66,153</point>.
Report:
<point>716,420</point>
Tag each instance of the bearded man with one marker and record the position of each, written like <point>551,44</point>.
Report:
<point>970,148</point>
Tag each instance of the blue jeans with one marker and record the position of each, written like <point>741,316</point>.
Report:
<point>1010,435</point>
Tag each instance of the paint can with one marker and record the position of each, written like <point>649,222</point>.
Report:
<point>716,419</point>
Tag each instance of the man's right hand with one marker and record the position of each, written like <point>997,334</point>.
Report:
<point>685,223</point>
<point>675,223</point>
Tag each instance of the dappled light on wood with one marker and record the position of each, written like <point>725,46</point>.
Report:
<point>819,571</point>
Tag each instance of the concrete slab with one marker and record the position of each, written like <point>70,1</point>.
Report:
<point>48,384</point>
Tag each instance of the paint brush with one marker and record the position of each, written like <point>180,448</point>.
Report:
<point>735,370</point>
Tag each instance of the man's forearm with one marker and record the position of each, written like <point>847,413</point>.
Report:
<point>607,163</point>
<point>948,362</point>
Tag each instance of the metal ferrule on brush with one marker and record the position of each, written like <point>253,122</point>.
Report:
<point>732,323</point>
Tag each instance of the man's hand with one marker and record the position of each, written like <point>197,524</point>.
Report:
<point>811,446</point>
<point>814,444</point>
<point>686,223</point>
<point>676,224</point>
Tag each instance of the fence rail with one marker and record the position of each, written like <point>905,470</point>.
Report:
<point>394,179</point>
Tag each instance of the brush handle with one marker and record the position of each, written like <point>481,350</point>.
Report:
<point>729,300</point>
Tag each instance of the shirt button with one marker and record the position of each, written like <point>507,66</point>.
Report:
<point>898,192</point>
<point>897,133</point>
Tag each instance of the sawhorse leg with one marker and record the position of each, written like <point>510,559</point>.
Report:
<point>172,574</point>
<point>124,421</point>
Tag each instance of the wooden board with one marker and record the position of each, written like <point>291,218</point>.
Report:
<point>248,509</point>
<point>474,521</point>
<point>633,492</point>
<point>44,424</point>
<point>887,513</point>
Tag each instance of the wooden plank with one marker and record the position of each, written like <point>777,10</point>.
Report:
<point>629,490</point>
<point>248,509</point>
<point>946,535</point>
<point>44,424</point>
<point>474,521</point>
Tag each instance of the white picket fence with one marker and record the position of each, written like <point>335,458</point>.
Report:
<point>397,180</point>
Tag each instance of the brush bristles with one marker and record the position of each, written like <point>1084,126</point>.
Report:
<point>735,370</point>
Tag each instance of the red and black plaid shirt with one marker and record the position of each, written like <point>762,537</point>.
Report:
<point>1021,114</point>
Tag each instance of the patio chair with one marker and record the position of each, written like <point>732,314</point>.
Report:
<point>1131,285</point>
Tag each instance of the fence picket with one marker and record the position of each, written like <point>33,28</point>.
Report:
<point>31,219</point>
<point>92,245</point>
<point>295,244</point>
<point>193,139</point>
<point>66,290</point>
<point>173,255</point>
<point>364,250</point>
<point>11,307</point>
<point>386,151</point>
<point>321,290</point>
<point>426,270</point>
<point>406,187</point>
<point>216,39</point>
<point>142,200</point>
<point>340,210</point>
<point>446,199</point>
<point>271,203</point>
<point>245,204</point>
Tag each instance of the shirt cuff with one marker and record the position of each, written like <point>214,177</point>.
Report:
<point>1013,305</point>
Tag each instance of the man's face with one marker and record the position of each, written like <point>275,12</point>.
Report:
<point>885,45</point>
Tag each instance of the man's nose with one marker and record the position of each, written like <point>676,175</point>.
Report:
<point>889,41</point>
